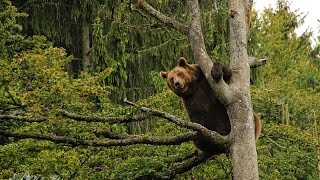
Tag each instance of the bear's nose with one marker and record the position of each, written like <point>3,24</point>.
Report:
<point>177,85</point>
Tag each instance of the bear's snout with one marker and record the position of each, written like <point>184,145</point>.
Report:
<point>177,85</point>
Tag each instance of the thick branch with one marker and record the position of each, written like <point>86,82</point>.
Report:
<point>199,50</point>
<point>22,118</point>
<point>161,17</point>
<point>216,137</point>
<point>112,120</point>
<point>160,140</point>
<point>149,112</point>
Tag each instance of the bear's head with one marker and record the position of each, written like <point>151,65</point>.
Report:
<point>181,79</point>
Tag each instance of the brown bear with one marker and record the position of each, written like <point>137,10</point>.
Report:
<point>188,82</point>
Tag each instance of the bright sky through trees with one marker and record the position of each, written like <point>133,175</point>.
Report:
<point>308,7</point>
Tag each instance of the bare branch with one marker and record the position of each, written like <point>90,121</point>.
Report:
<point>255,62</point>
<point>160,140</point>
<point>168,21</point>
<point>216,137</point>
<point>112,120</point>
<point>112,135</point>
<point>178,169</point>
<point>22,118</point>
<point>188,164</point>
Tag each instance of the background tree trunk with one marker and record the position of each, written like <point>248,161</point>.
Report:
<point>86,60</point>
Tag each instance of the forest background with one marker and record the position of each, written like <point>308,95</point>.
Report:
<point>87,56</point>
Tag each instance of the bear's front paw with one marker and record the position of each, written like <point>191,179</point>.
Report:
<point>216,72</point>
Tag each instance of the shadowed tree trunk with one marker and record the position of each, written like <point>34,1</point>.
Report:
<point>86,60</point>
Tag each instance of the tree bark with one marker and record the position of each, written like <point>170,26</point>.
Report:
<point>243,148</point>
<point>199,51</point>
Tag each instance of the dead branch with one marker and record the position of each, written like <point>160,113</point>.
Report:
<point>22,118</point>
<point>111,120</point>
<point>179,168</point>
<point>147,113</point>
<point>255,62</point>
<point>188,164</point>
<point>159,140</point>
<point>180,159</point>
<point>216,137</point>
<point>168,21</point>
<point>113,135</point>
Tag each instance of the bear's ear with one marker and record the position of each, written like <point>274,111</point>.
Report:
<point>163,74</point>
<point>182,62</point>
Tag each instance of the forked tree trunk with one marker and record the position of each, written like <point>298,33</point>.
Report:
<point>236,95</point>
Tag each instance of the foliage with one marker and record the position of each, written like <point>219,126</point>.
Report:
<point>279,153</point>
<point>36,83</point>
<point>36,80</point>
<point>9,29</point>
<point>129,47</point>
<point>286,92</point>
<point>286,152</point>
<point>291,78</point>
<point>124,38</point>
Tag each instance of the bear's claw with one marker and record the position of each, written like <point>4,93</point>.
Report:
<point>216,72</point>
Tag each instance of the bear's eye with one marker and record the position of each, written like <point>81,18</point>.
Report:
<point>181,75</point>
<point>171,81</point>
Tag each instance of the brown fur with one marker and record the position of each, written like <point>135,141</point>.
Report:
<point>188,82</point>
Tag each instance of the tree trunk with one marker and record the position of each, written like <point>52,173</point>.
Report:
<point>86,60</point>
<point>243,147</point>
